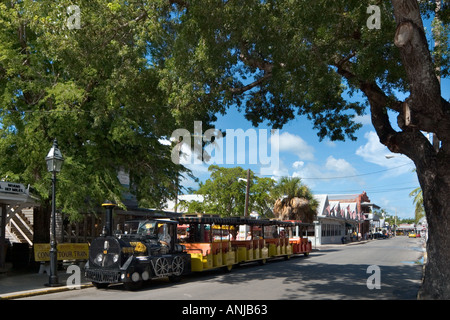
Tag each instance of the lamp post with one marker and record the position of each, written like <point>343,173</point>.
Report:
<point>54,161</point>
<point>247,191</point>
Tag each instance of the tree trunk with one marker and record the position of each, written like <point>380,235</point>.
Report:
<point>424,110</point>
<point>436,194</point>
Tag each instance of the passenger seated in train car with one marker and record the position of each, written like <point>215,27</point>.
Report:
<point>163,234</point>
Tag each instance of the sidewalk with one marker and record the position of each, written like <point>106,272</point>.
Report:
<point>14,284</point>
<point>337,245</point>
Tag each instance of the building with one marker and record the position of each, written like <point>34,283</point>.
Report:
<point>13,223</point>
<point>373,220</point>
<point>340,216</point>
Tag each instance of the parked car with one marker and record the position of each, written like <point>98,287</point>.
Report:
<point>412,235</point>
<point>380,235</point>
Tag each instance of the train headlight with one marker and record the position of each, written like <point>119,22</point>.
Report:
<point>99,258</point>
<point>116,258</point>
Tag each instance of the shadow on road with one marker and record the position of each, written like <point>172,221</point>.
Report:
<point>302,278</point>
<point>333,281</point>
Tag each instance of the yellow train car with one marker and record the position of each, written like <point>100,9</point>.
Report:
<point>215,242</point>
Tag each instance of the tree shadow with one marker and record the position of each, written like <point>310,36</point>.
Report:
<point>303,280</point>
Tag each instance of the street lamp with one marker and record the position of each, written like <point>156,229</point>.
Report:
<point>247,191</point>
<point>54,161</point>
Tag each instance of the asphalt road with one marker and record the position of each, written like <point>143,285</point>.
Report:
<point>334,272</point>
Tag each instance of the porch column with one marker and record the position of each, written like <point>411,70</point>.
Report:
<point>2,235</point>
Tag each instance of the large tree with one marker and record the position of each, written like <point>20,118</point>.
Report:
<point>277,60</point>
<point>93,87</point>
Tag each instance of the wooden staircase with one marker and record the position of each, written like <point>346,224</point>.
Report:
<point>19,224</point>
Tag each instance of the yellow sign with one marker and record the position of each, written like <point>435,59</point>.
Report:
<point>66,251</point>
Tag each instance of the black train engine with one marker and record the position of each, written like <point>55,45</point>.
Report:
<point>145,250</point>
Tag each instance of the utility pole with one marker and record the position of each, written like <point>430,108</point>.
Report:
<point>247,191</point>
<point>395,223</point>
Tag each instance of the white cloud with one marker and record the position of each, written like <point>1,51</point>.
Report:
<point>276,171</point>
<point>331,170</point>
<point>340,166</point>
<point>375,152</point>
<point>298,164</point>
<point>295,144</point>
<point>364,119</point>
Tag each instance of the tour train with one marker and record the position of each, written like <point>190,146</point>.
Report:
<point>155,248</point>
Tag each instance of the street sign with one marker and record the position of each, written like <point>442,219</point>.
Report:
<point>10,187</point>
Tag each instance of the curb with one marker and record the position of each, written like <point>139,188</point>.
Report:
<point>39,292</point>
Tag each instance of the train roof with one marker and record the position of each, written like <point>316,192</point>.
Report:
<point>238,221</point>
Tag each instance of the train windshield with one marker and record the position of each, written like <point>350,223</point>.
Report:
<point>131,227</point>
<point>147,228</point>
<point>144,228</point>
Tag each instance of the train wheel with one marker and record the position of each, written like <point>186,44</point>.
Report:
<point>174,279</point>
<point>100,285</point>
<point>227,268</point>
<point>161,267</point>
<point>132,286</point>
<point>177,266</point>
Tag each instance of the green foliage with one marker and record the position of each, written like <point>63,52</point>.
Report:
<point>292,187</point>
<point>279,59</point>
<point>276,60</point>
<point>135,71</point>
<point>96,91</point>
<point>419,211</point>
<point>295,200</point>
<point>224,193</point>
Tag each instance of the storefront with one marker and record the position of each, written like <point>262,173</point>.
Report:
<point>337,220</point>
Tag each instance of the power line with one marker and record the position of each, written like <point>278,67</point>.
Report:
<point>368,190</point>
<point>357,175</point>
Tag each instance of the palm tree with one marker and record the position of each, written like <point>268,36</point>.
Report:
<point>418,201</point>
<point>295,201</point>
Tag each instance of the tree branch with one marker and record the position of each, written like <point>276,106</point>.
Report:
<point>410,141</point>
<point>252,61</point>
<point>180,3</point>
<point>431,112</point>
<point>251,85</point>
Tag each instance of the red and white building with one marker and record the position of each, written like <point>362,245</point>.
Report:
<point>341,215</point>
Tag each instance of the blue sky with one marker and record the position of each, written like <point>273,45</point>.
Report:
<point>328,167</point>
